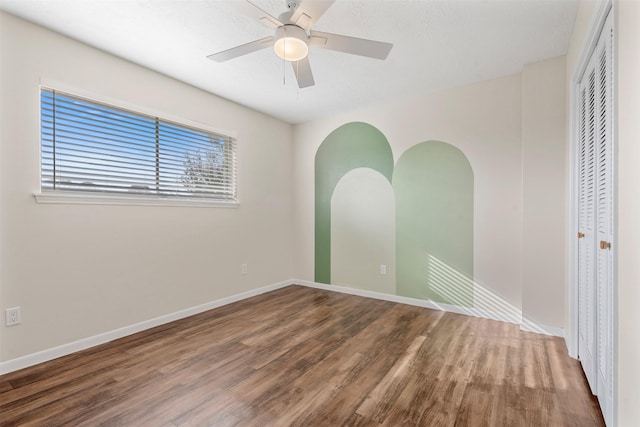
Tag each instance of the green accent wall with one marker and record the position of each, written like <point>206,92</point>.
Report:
<point>353,145</point>
<point>433,190</point>
<point>433,184</point>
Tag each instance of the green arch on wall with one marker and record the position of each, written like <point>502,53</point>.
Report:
<point>433,185</point>
<point>352,145</point>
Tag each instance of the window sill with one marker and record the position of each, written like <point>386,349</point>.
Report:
<point>64,197</point>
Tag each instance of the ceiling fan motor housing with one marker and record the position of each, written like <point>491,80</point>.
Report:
<point>291,42</point>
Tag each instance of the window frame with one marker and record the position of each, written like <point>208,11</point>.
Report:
<point>106,198</point>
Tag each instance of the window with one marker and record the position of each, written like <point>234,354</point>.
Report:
<point>90,147</point>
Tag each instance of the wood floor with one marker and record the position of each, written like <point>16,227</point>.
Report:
<point>307,357</point>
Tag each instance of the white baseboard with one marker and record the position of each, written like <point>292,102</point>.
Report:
<point>414,301</point>
<point>528,325</point>
<point>65,349</point>
<point>72,347</point>
<point>525,324</point>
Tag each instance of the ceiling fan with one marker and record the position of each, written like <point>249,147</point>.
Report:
<point>293,36</point>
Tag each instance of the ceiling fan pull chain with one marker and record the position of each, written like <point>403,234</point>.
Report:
<point>284,65</point>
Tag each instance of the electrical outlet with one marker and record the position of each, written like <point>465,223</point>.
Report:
<point>383,269</point>
<point>244,269</point>
<point>12,316</point>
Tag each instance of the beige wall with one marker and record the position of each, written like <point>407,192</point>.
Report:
<point>627,24</point>
<point>2,305</point>
<point>80,270</point>
<point>512,131</point>
<point>544,170</point>
<point>484,120</point>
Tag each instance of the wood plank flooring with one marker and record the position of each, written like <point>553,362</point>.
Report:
<point>306,357</point>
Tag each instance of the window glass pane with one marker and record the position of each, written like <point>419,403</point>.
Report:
<point>192,162</point>
<point>88,146</point>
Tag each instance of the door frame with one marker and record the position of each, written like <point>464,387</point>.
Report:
<point>589,45</point>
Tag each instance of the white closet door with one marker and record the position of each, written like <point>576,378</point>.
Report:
<point>587,237</point>
<point>596,221</point>
<point>604,215</point>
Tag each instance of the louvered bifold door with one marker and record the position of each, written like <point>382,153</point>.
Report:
<point>596,221</point>
<point>604,223</point>
<point>586,221</point>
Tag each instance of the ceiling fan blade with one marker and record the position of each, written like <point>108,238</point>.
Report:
<point>302,70</point>
<point>253,11</point>
<point>244,49</point>
<point>309,11</point>
<point>352,45</point>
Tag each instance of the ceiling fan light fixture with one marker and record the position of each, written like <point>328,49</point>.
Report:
<point>291,43</point>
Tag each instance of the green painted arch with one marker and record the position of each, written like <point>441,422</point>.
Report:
<point>352,145</point>
<point>433,184</point>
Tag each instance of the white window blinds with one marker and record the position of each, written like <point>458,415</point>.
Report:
<point>92,147</point>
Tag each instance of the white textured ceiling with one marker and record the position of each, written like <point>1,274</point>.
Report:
<point>437,44</point>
